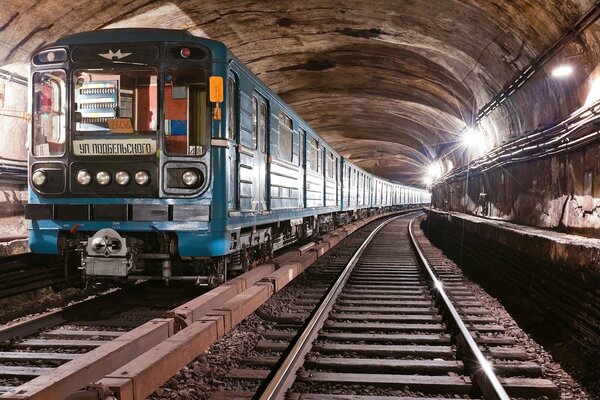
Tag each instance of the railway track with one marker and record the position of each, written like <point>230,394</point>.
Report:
<point>396,322</point>
<point>35,348</point>
<point>106,346</point>
<point>26,272</point>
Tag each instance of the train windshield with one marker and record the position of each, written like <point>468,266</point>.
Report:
<point>49,110</point>
<point>115,105</point>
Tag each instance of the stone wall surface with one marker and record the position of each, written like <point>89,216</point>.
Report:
<point>546,193</point>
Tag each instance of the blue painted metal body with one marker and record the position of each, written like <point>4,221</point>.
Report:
<point>213,238</point>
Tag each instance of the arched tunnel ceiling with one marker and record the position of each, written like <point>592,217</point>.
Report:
<point>385,82</point>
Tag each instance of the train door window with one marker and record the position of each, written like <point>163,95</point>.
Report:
<point>285,137</point>
<point>296,147</point>
<point>49,108</point>
<point>231,109</point>
<point>320,158</point>
<point>254,121</point>
<point>262,126</point>
<point>303,155</point>
<point>312,155</point>
<point>329,165</point>
<point>186,111</point>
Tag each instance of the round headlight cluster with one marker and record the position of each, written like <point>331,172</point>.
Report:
<point>190,178</point>
<point>39,178</point>
<point>122,178</point>
<point>104,178</point>
<point>142,178</point>
<point>84,178</point>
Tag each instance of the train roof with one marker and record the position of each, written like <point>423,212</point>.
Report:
<point>128,35</point>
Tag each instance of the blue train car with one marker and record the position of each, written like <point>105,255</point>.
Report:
<point>155,153</point>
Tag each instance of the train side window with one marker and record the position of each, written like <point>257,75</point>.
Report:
<point>337,168</point>
<point>302,141</point>
<point>186,111</point>
<point>329,165</point>
<point>312,155</point>
<point>49,102</point>
<point>262,127</point>
<point>231,116</point>
<point>254,121</point>
<point>285,137</point>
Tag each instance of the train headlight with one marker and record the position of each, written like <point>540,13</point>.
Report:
<point>190,178</point>
<point>142,178</point>
<point>103,178</point>
<point>84,178</point>
<point>39,178</point>
<point>122,178</point>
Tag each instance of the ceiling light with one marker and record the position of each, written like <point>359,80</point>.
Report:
<point>434,170</point>
<point>475,140</point>
<point>562,71</point>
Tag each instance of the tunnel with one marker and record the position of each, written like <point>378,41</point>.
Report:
<point>487,112</point>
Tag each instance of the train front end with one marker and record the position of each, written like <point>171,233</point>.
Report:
<point>120,153</point>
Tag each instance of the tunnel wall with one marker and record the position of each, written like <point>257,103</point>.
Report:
<point>545,100</point>
<point>13,138</point>
<point>547,193</point>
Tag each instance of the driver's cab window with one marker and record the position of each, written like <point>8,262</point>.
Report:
<point>116,101</point>
<point>186,108</point>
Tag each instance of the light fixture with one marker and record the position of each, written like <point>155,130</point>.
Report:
<point>562,71</point>
<point>84,178</point>
<point>190,178</point>
<point>142,177</point>
<point>39,178</point>
<point>185,52</point>
<point>103,178</point>
<point>475,140</point>
<point>122,178</point>
<point>434,170</point>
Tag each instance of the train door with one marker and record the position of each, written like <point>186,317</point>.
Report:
<point>260,117</point>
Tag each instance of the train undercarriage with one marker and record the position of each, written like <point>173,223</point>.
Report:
<point>110,255</point>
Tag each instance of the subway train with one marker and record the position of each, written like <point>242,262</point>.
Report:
<point>158,154</point>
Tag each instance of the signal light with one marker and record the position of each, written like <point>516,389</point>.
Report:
<point>185,52</point>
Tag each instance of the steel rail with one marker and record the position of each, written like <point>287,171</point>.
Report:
<point>487,380</point>
<point>284,377</point>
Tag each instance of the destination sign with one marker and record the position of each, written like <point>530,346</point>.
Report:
<point>121,147</point>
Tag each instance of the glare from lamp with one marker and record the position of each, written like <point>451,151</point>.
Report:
<point>434,170</point>
<point>594,93</point>
<point>562,71</point>
<point>474,139</point>
<point>428,180</point>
